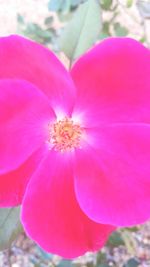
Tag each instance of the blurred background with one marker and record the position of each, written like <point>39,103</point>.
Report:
<point>44,21</point>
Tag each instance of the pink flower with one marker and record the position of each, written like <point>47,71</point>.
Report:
<point>81,140</point>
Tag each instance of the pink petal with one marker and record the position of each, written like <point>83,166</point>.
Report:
<point>113,82</point>
<point>52,217</point>
<point>24,117</point>
<point>24,59</point>
<point>13,184</point>
<point>112,179</point>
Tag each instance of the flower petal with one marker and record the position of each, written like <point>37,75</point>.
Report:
<point>13,184</point>
<point>24,117</point>
<point>24,59</point>
<point>113,82</point>
<point>52,217</point>
<point>112,180</point>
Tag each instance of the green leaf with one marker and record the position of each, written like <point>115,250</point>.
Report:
<point>120,30</point>
<point>132,229</point>
<point>65,263</point>
<point>132,263</point>
<point>115,240</point>
<point>59,6</point>
<point>82,31</point>
<point>75,3</point>
<point>20,19</point>
<point>43,254</point>
<point>10,226</point>
<point>54,5</point>
<point>48,21</point>
<point>129,3</point>
<point>142,39</point>
<point>106,4</point>
<point>105,30</point>
<point>101,258</point>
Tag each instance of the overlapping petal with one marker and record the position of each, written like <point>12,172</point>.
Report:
<point>13,184</point>
<point>113,81</point>
<point>51,215</point>
<point>114,105</point>
<point>112,175</point>
<point>24,116</point>
<point>24,59</point>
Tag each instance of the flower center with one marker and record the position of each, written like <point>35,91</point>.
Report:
<point>65,135</point>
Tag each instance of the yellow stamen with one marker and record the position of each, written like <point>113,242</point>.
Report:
<point>65,135</point>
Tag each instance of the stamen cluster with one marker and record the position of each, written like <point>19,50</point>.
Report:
<point>65,135</point>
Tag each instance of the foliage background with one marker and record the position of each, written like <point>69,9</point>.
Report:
<point>45,21</point>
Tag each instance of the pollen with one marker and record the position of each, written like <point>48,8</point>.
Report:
<point>65,135</point>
